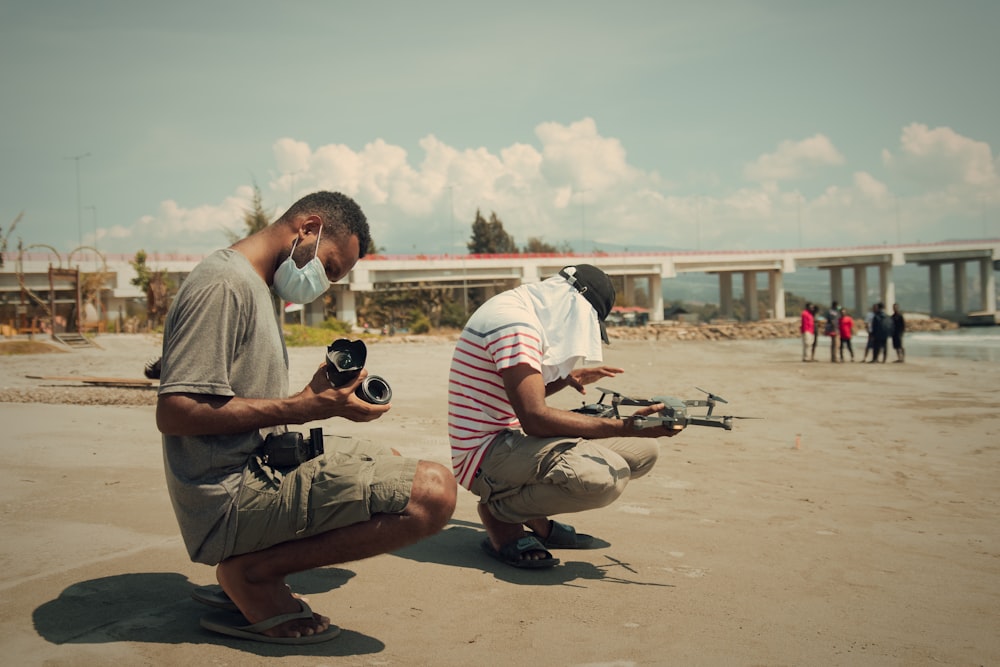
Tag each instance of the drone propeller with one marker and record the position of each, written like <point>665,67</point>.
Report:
<point>712,396</point>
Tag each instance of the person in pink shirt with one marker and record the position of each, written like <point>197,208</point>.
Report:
<point>808,329</point>
<point>846,332</point>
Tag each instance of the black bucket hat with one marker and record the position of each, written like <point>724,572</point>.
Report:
<point>595,286</point>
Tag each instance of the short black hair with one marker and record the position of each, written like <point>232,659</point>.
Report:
<point>340,214</point>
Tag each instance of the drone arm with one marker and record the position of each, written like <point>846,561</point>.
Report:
<point>717,422</point>
<point>640,423</point>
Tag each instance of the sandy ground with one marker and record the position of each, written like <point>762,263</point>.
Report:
<point>874,541</point>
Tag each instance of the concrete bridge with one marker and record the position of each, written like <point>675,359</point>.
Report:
<point>498,272</point>
<point>495,273</point>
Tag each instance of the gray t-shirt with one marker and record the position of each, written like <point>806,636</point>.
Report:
<point>221,338</point>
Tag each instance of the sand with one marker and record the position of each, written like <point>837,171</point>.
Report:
<point>856,523</point>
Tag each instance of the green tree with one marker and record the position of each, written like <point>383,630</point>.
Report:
<point>157,286</point>
<point>4,238</point>
<point>421,304</point>
<point>255,218</point>
<point>536,245</point>
<point>489,237</point>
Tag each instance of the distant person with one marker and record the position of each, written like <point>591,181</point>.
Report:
<point>870,344</point>
<point>807,327</point>
<point>898,327</point>
<point>814,309</point>
<point>881,330</point>
<point>832,329</point>
<point>846,324</point>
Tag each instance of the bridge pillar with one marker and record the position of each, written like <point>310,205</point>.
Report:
<point>655,298</point>
<point>936,289</point>
<point>776,287</point>
<point>750,295</point>
<point>346,306</point>
<point>726,294</point>
<point>960,289</point>
<point>886,288</point>
<point>629,289</point>
<point>836,284</point>
<point>489,291</point>
<point>860,289</point>
<point>988,285</point>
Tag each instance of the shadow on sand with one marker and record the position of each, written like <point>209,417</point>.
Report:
<point>458,545</point>
<point>156,607</point>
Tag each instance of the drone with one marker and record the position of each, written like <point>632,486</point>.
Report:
<point>674,412</point>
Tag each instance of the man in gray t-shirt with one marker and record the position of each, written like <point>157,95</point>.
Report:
<point>224,387</point>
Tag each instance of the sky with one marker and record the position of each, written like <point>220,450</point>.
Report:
<point>612,126</point>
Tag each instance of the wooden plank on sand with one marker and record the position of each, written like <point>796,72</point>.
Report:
<point>138,382</point>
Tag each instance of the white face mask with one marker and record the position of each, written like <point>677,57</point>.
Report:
<point>303,285</point>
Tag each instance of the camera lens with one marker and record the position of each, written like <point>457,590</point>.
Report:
<point>341,359</point>
<point>344,360</point>
<point>374,390</point>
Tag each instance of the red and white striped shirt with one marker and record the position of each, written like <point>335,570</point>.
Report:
<point>549,326</point>
<point>478,407</point>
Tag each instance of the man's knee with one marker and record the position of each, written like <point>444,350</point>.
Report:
<point>650,453</point>
<point>595,477</point>
<point>434,495</point>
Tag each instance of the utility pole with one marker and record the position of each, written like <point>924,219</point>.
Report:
<point>79,209</point>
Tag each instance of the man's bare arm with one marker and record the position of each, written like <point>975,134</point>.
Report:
<point>201,414</point>
<point>526,392</point>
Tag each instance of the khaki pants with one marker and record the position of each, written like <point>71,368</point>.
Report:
<point>524,478</point>
<point>344,486</point>
<point>808,338</point>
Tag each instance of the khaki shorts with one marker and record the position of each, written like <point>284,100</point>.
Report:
<point>353,480</point>
<point>524,477</point>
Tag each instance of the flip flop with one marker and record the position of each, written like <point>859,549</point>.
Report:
<point>563,536</point>
<point>214,596</point>
<point>512,553</point>
<point>229,624</point>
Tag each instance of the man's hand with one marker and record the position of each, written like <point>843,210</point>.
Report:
<point>578,377</point>
<point>325,401</point>
<point>662,431</point>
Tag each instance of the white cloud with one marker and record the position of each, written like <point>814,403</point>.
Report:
<point>576,186</point>
<point>870,186</point>
<point>793,160</point>
<point>291,156</point>
<point>576,155</point>
<point>940,156</point>
<point>175,228</point>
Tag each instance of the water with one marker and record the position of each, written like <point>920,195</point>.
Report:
<point>975,343</point>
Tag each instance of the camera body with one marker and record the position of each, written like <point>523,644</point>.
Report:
<point>344,360</point>
<point>289,449</point>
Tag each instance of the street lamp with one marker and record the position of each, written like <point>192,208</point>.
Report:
<point>465,275</point>
<point>899,235</point>
<point>583,221</point>
<point>94,210</point>
<point>798,211</point>
<point>697,219</point>
<point>79,210</point>
<point>451,216</point>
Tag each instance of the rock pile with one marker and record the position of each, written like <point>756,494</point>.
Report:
<point>788,328</point>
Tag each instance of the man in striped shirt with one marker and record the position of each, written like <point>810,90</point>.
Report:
<point>524,459</point>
